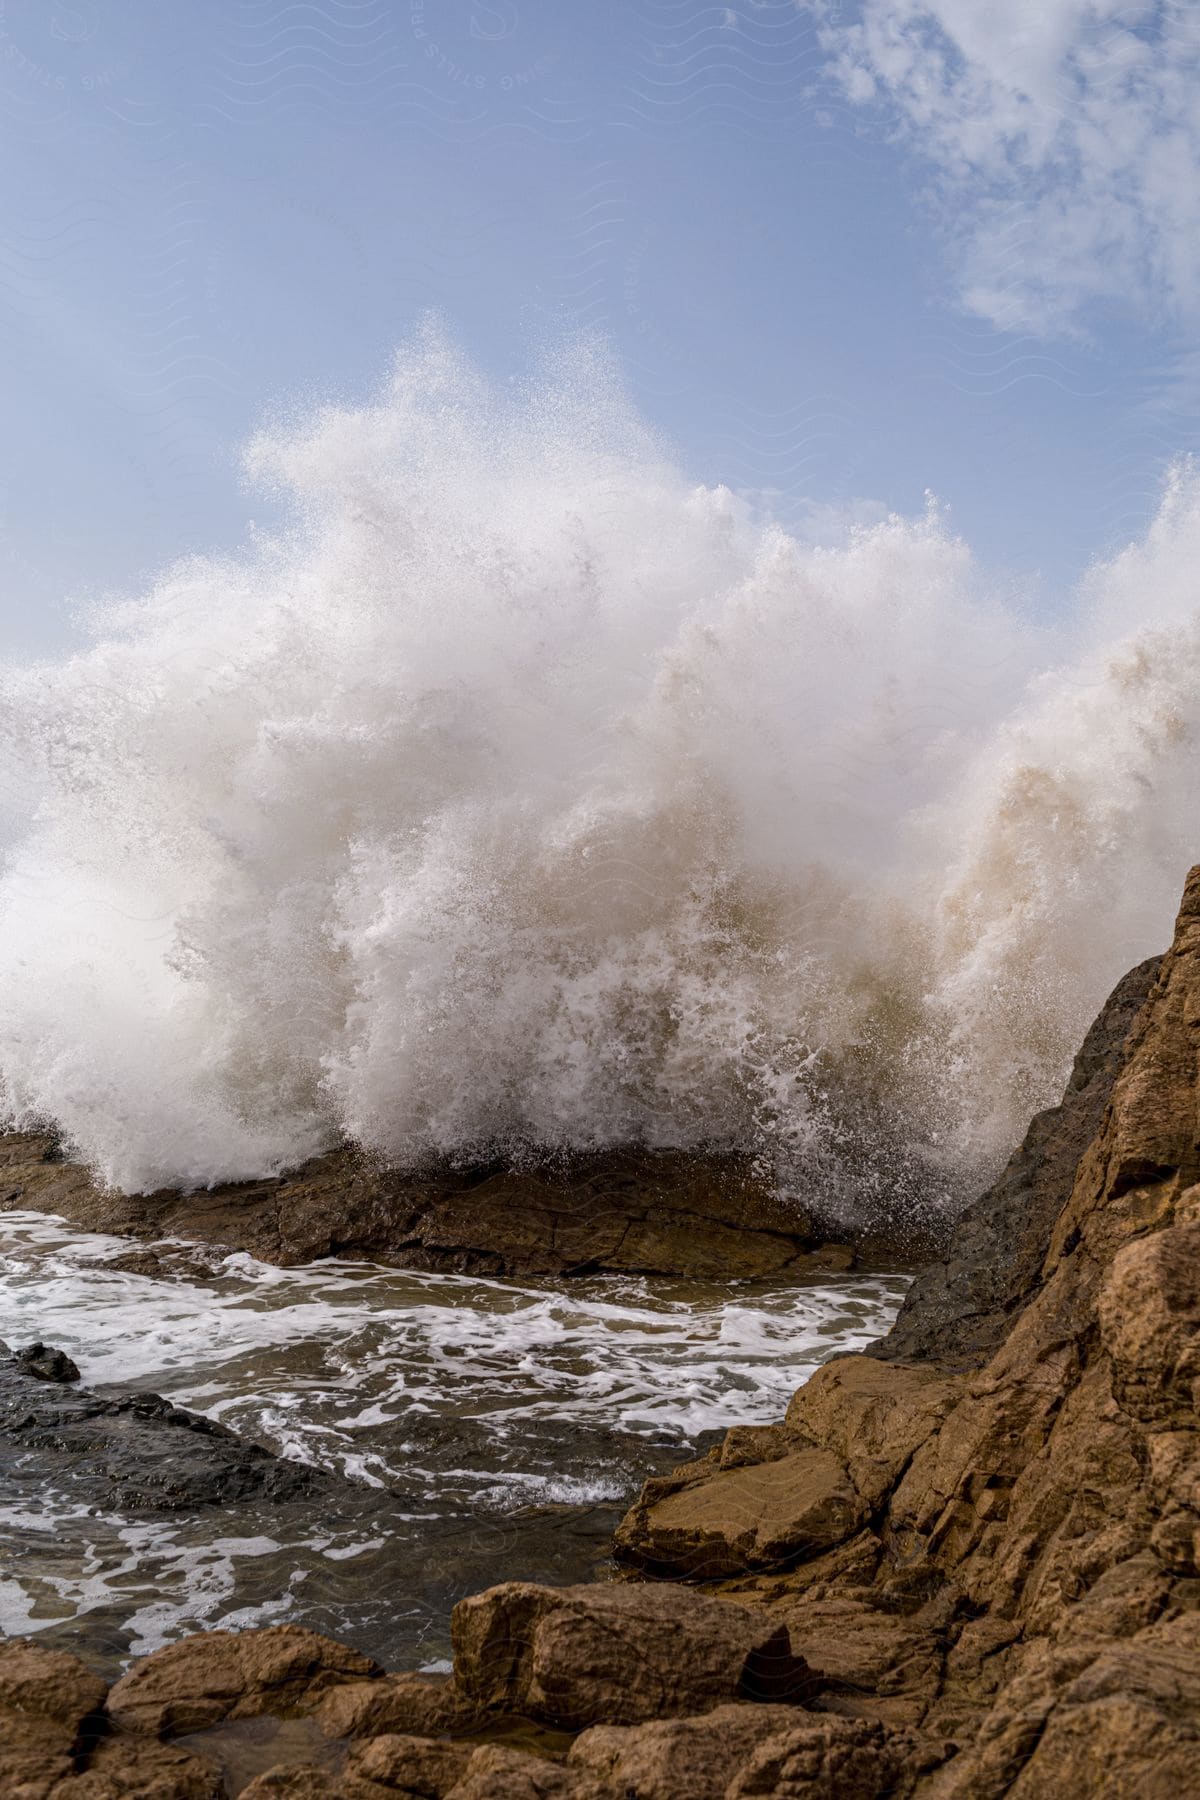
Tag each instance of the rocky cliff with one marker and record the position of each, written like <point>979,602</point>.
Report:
<point>960,1575</point>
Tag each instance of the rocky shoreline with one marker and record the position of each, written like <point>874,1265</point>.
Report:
<point>964,1567</point>
<point>622,1213</point>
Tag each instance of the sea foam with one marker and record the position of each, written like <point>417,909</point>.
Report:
<point>518,796</point>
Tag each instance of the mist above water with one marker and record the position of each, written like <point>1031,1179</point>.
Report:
<point>519,796</point>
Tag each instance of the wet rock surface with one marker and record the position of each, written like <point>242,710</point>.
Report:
<point>960,1307</point>
<point>621,1213</point>
<point>133,1452</point>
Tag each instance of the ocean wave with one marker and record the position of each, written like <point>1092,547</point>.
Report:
<point>518,797</point>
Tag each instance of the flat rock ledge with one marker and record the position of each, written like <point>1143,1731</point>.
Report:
<point>956,1578</point>
<point>621,1213</point>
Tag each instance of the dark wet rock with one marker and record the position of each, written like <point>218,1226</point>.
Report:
<point>131,1452</point>
<point>958,1310</point>
<point>624,1212</point>
<point>45,1363</point>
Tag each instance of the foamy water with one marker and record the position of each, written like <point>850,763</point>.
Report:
<point>521,795</point>
<point>466,1408</point>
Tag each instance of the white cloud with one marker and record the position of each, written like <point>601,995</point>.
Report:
<point>1064,140</point>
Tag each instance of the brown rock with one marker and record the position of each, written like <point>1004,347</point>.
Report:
<point>498,1773</point>
<point>417,1705</point>
<point>765,1516</point>
<point>958,1310</point>
<point>866,1661</point>
<point>835,1759</point>
<point>872,1415</point>
<point>215,1675</point>
<point>673,1757</point>
<point>46,1698</point>
<point>129,1768</point>
<point>1149,1312</point>
<point>616,1654</point>
<point>306,1781</point>
<point>639,1212</point>
<point>409,1765</point>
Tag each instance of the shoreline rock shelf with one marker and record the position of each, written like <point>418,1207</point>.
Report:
<point>636,1213</point>
<point>965,1567</point>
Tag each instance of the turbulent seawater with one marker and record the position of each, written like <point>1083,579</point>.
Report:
<point>493,1429</point>
<point>518,795</point>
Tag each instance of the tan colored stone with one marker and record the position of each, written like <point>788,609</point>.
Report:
<point>872,1415</point>
<point>216,1675</point>
<point>766,1516</point>
<point>410,1765</point>
<point>45,1697</point>
<point>1149,1312</point>
<point>865,1662</point>
<point>697,1757</point>
<point>419,1705</point>
<point>497,1773</point>
<point>835,1759</point>
<point>129,1768</point>
<point>616,1654</point>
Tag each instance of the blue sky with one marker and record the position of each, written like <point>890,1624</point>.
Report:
<point>844,254</point>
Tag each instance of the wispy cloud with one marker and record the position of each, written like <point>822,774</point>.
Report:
<point>1062,139</point>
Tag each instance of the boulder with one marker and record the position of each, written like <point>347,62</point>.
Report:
<point>130,1452</point>
<point>132,1768</point>
<point>48,1701</point>
<point>193,1684</point>
<point>497,1773</point>
<point>671,1757</point>
<point>762,1516</point>
<point>414,1705</point>
<point>617,1654</point>
<point>872,1415</point>
<point>836,1759</point>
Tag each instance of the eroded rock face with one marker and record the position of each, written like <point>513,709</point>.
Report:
<point>638,1213</point>
<point>1036,1589</point>
<point>47,1699</point>
<point>696,1756</point>
<point>958,1310</point>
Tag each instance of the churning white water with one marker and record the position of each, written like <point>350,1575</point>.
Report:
<point>519,795</point>
<point>495,1428</point>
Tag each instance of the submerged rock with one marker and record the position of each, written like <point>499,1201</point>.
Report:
<point>132,1452</point>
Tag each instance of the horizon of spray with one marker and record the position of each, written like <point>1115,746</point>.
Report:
<point>520,797</point>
